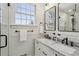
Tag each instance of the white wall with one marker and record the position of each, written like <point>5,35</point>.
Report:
<point>15,46</point>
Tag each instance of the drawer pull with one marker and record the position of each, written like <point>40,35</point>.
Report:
<point>38,48</point>
<point>44,53</point>
<point>56,55</point>
<point>37,42</point>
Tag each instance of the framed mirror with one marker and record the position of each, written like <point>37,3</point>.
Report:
<point>50,19</point>
<point>68,19</point>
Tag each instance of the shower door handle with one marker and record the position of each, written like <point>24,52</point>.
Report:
<point>5,41</point>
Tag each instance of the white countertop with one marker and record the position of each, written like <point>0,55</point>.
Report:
<point>61,48</point>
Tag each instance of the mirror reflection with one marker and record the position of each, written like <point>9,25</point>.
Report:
<point>68,17</point>
<point>50,19</point>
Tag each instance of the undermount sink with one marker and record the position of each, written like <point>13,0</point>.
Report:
<point>52,42</point>
<point>49,41</point>
<point>63,48</point>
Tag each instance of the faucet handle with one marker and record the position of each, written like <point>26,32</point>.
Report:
<point>66,41</point>
<point>62,41</point>
<point>72,44</point>
<point>66,38</point>
<point>59,34</point>
<point>53,33</point>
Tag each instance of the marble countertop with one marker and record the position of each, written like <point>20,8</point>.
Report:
<point>52,44</point>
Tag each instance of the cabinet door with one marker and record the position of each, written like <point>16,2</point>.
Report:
<point>46,50</point>
<point>38,51</point>
<point>43,50</point>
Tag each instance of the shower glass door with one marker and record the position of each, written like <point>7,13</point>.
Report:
<point>3,29</point>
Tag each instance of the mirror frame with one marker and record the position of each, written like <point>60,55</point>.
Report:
<point>45,19</point>
<point>58,23</point>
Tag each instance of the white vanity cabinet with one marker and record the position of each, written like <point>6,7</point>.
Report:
<point>38,51</point>
<point>43,50</point>
<point>57,53</point>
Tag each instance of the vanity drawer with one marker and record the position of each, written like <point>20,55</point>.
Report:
<point>38,53</point>
<point>43,50</point>
<point>38,49</point>
<point>46,50</point>
<point>57,54</point>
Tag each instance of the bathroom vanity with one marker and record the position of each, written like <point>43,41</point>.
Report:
<point>42,48</point>
<point>46,47</point>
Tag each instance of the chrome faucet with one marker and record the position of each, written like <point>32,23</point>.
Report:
<point>65,40</point>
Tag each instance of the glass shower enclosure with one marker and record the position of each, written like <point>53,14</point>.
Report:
<point>3,29</point>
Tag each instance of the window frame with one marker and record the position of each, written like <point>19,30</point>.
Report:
<point>35,21</point>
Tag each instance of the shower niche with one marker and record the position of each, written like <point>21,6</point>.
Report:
<point>68,19</point>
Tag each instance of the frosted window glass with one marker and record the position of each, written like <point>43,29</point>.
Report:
<point>28,21</point>
<point>32,13</point>
<point>25,14</point>
<point>28,6</point>
<point>23,11</point>
<point>32,8</point>
<point>18,16</point>
<point>28,11</point>
<point>28,17</point>
<point>23,17</point>
<point>24,22</point>
<point>18,21</point>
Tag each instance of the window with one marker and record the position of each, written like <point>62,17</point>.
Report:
<point>25,14</point>
<point>0,14</point>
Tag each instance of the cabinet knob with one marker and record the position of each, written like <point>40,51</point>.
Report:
<point>53,33</point>
<point>44,53</point>
<point>56,55</point>
<point>38,48</point>
<point>59,34</point>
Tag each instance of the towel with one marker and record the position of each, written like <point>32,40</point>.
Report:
<point>23,35</point>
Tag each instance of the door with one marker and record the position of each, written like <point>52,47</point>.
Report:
<point>3,29</point>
